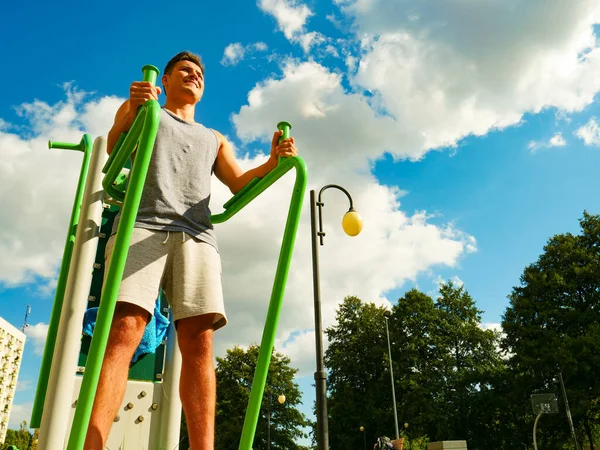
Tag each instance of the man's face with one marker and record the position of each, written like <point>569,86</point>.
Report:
<point>186,80</point>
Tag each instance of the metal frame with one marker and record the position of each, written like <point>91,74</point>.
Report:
<point>141,138</point>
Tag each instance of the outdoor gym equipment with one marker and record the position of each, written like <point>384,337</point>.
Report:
<point>94,196</point>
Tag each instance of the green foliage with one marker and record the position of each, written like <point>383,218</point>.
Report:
<point>553,324</point>
<point>442,362</point>
<point>234,379</point>
<point>18,438</point>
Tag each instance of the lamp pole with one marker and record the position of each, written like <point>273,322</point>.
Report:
<point>320,374</point>
<point>364,436</point>
<point>281,400</point>
<point>392,377</point>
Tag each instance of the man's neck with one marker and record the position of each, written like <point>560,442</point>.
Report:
<point>183,111</point>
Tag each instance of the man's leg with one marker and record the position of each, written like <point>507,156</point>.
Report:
<point>198,386</point>
<point>126,333</point>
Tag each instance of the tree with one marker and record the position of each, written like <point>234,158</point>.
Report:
<point>235,373</point>
<point>443,363</point>
<point>359,393</point>
<point>19,438</point>
<point>553,324</point>
<point>469,359</point>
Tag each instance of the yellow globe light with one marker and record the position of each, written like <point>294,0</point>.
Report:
<point>352,223</point>
<point>362,428</point>
<point>281,399</point>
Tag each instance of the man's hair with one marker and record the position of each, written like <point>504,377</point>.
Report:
<point>183,56</point>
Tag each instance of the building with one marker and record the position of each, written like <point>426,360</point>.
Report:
<point>12,342</point>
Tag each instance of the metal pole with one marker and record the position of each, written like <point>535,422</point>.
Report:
<point>535,429</point>
<point>269,426</point>
<point>569,418</point>
<point>85,145</point>
<point>365,438</point>
<point>170,413</point>
<point>392,377</point>
<point>320,374</point>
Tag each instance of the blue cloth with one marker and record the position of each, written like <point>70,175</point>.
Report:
<point>154,334</point>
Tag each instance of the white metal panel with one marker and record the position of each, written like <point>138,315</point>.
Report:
<point>137,424</point>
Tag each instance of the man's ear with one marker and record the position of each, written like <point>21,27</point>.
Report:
<point>164,80</point>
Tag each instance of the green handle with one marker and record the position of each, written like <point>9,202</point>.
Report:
<point>285,127</point>
<point>67,146</point>
<point>150,73</point>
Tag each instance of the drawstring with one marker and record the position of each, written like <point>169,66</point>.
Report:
<point>182,238</point>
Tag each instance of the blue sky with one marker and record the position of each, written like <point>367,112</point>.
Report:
<point>466,134</point>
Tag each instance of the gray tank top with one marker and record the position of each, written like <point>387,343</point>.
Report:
<point>177,189</point>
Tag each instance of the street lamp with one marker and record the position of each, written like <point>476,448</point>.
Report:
<point>281,400</point>
<point>364,435</point>
<point>352,225</point>
<point>387,330</point>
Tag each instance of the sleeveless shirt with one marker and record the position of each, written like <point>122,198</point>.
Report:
<point>176,193</point>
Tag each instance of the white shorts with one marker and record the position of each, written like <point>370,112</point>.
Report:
<point>186,268</point>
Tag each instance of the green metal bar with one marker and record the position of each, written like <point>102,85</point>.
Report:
<point>123,154</point>
<point>245,196</point>
<point>118,157</point>
<point>85,145</point>
<point>283,265</point>
<point>148,119</point>
<point>114,152</point>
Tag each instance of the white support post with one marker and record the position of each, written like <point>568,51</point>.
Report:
<point>170,402</point>
<point>57,408</point>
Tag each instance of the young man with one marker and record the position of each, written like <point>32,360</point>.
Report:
<point>174,247</point>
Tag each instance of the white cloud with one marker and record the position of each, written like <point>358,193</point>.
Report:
<point>235,52</point>
<point>557,140</point>
<point>24,385</point>
<point>300,348</point>
<point>19,413</point>
<point>496,326</point>
<point>291,15</point>
<point>36,335</point>
<point>40,183</point>
<point>590,133</point>
<point>393,247</point>
<point>465,68</point>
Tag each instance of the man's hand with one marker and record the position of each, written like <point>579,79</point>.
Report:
<point>284,148</point>
<point>140,92</point>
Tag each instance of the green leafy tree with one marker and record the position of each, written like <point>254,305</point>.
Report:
<point>235,373</point>
<point>19,438</point>
<point>443,363</point>
<point>469,359</point>
<point>553,324</point>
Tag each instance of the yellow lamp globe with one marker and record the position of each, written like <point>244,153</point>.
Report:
<point>352,223</point>
<point>281,399</point>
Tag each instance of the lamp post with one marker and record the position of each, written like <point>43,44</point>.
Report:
<point>352,225</point>
<point>281,400</point>
<point>387,330</point>
<point>364,436</point>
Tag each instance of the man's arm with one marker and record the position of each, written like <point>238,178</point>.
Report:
<point>139,93</point>
<point>123,122</point>
<point>231,174</point>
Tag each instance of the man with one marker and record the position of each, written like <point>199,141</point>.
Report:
<point>174,247</point>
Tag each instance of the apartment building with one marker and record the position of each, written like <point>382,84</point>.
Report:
<point>12,342</point>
